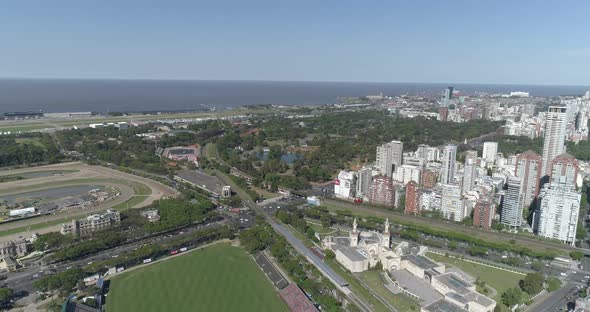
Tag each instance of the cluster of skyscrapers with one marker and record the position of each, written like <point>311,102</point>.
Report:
<point>527,191</point>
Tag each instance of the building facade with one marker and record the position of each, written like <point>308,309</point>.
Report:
<point>490,149</point>
<point>449,163</point>
<point>91,224</point>
<point>412,198</point>
<point>382,191</point>
<point>483,213</point>
<point>452,203</point>
<point>363,181</point>
<point>511,207</point>
<point>345,185</point>
<point>389,157</point>
<point>528,169</point>
<point>554,140</point>
<point>558,212</point>
<point>564,166</point>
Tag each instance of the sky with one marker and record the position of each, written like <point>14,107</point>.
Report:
<point>500,42</point>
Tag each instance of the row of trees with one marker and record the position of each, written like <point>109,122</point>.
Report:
<point>262,236</point>
<point>27,149</point>
<point>531,285</point>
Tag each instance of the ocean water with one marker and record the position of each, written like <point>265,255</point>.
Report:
<point>63,95</point>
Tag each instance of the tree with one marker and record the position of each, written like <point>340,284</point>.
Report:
<point>329,254</point>
<point>532,283</point>
<point>5,293</point>
<point>512,297</point>
<point>553,284</point>
<point>577,255</point>
<point>453,245</point>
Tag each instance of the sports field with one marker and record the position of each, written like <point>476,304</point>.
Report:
<point>217,278</point>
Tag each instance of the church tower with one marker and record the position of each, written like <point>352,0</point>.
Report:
<point>354,235</point>
<point>386,235</point>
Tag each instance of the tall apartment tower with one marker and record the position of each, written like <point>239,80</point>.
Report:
<point>483,213</point>
<point>528,169</point>
<point>449,162</point>
<point>554,141</point>
<point>566,167</point>
<point>389,157</point>
<point>490,150</point>
<point>558,212</point>
<point>471,155</point>
<point>452,203</point>
<point>363,182</point>
<point>511,208</point>
<point>469,172</point>
<point>382,191</point>
<point>412,198</point>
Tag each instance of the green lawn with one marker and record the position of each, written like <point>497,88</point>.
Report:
<point>401,302</point>
<point>499,279</point>
<point>217,278</point>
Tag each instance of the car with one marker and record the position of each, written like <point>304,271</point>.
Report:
<point>91,262</point>
<point>587,276</point>
<point>114,256</point>
<point>68,267</point>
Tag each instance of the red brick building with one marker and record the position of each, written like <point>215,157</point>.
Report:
<point>483,213</point>
<point>412,198</point>
<point>382,191</point>
<point>429,178</point>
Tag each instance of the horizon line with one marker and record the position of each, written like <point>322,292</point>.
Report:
<point>295,81</point>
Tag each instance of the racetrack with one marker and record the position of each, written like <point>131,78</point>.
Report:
<point>132,190</point>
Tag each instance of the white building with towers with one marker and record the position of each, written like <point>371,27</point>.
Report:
<point>362,250</point>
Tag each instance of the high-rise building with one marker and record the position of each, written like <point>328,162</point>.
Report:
<point>407,173</point>
<point>566,166</point>
<point>511,208</point>
<point>382,191</point>
<point>471,155</point>
<point>429,178</point>
<point>345,185</point>
<point>528,169</point>
<point>448,164</point>
<point>469,176</point>
<point>363,181</point>
<point>443,114</point>
<point>558,212</point>
<point>412,198</point>
<point>490,149</point>
<point>555,132</point>
<point>448,95</point>
<point>452,203</point>
<point>389,157</point>
<point>422,152</point>
<point>483,213</point>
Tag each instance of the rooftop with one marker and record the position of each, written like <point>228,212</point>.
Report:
<point>351,253</point>
<point>421,261</point>
<point>443,305</point>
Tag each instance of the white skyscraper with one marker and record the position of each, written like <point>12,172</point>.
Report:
<point>511,204</point>
<point>558,212</point>
<point>469,175</point>
<point>554,141</point>
<point>490,149</point>
<point>345,185</point>
<point>452,203</point>
<point>389,157</point>
<point>449,161</point>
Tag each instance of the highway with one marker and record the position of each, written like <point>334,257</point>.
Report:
<point>334,277</point>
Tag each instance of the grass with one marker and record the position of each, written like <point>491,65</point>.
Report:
<point>138,188</point>
<point>32,141</point>
<point>130,203</point>
<point>361,291</point>
<point>499,279</point>
<point>37,226</point>
<point>217,278</point>
<point>400,302</point>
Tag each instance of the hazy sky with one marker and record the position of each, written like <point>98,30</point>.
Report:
<point>528,42</point>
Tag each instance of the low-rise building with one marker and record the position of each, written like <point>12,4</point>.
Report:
<point>91,224</point>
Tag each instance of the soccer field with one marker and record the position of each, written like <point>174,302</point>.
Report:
<point>216,278</point>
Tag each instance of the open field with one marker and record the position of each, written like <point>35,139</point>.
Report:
<point>498,279</point>
<point>217,278</point>
<point>38,124</point>
<point>135,192</point>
